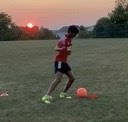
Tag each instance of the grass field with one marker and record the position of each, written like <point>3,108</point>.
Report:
<point>100,65</point>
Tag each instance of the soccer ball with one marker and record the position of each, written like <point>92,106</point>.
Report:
<point>81,92</point>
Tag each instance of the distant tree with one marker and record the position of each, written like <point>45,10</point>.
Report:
<point>29,33</point>
<point>5,22</point>
<point>8,30</point>
<point>83,33</point>
<point>13,33</point>
<point>45,33</point>
<point>103,27</point>
<point>123,3</point>
<point>82,28</point>
<point>119,18</point>
<point>116,24</point>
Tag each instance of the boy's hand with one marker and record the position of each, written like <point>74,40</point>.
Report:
<point>59,49</point>
<point>69,50</point>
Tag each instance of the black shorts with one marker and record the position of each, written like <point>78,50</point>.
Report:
<point>62,67</point>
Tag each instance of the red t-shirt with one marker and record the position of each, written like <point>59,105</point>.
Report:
<point>64,43</point>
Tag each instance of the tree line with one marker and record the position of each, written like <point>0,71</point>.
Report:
<point>113,26</point>
<point>10,31</point>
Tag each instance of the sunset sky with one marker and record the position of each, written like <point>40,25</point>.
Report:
<point>56,13</point>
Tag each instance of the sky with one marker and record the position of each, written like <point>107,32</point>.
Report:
<point>56,13</point>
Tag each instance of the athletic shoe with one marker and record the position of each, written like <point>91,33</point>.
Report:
<point>65,95</point>
<point>47,99</point>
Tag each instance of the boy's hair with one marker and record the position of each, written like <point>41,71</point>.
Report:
<point>73,29</point>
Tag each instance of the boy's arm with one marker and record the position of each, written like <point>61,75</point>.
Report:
<point>62,48</point>
<point>69,50</point>
<point>59,48</point>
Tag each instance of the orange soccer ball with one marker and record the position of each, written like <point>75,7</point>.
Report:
<point>81,92</point>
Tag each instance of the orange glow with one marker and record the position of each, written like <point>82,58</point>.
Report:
<point>30,25</point>
<point>56,13</point>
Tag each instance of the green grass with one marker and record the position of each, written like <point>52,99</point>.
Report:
<point>100,65</point>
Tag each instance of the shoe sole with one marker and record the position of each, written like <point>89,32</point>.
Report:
<point>45,101</point>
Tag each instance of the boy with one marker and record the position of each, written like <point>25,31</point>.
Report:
<point>63,49</point>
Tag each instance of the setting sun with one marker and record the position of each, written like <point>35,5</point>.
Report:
<point>30,25</point>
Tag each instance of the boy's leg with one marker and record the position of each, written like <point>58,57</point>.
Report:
<point>70,81</point>
<point>58,78</point>
<point>47,98</point>
<point>67,86</point>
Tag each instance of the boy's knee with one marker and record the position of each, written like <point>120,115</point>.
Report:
<point>58,79</point>
<point>72,79</point>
